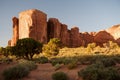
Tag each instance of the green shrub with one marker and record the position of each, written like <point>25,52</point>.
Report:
<point>57,66</point>
<point>41,60</point>
<point>72,65</point>
<point>56,61</point>
<point>28,64</point>
<point>15,73</point>
<point>67,61</point>
<point>6,60</point>
<point>116,58</point>
<point>59,76</point>
<point>18,71</point>
<point>99,72</point>
<point>85,60</point>
<point>107,62</point>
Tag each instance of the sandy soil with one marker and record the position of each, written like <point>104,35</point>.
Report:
<point>44,72</point>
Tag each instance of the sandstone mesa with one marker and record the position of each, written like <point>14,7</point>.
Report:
<point>33,24</point>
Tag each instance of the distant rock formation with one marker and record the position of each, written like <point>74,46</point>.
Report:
<point>33,23</point>
<point>102,37</point>
<point>87,38</point>
<point>75,38</point>
<point>114,31</point>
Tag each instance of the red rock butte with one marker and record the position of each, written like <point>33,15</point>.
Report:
<point>33,24</point>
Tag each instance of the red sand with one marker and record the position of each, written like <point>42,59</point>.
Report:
<point>45,71</point>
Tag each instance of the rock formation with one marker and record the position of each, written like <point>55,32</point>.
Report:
<point>33,23</point>
<point>64,35</point>
<point>102,37</point>
<point>54,28</point>
<point>87,38</point>
<point>75,39</point>
<point>15,31</point>
<point>114,31</point>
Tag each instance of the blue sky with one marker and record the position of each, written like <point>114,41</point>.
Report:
<point>88,15</point>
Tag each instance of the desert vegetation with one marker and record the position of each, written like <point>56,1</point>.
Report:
<point>27,53</point>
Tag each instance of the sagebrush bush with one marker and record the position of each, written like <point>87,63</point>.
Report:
<point>107,62</point>
<point>18,71</point>
<point>56,61</point>
<point>63,60</point>
<point>28,64</point>
<point>57,66</point>
<point>15,73</point>
<point>41,60</point>
<point>67,61</point>
<point>99,72</point>
<point>72,65</point>
<point>59,76</point>
<point>5,60</point>
<point>116,58</point>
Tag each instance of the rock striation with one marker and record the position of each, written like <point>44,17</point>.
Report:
<point>33,23</point>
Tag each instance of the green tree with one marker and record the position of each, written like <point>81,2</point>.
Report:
<point>26,48</point>
<point>52,48</point>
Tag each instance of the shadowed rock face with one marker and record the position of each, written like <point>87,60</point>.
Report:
<point>33,23</point>
<point>87,38</point>
<point>75,39</point>
<point>53,28</point>
<point>64,35</point>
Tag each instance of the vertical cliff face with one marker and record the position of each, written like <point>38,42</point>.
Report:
<point>15,31</point>
<point>75,39</point>
<point>65,36</point>
<point>69,38</point>
<point>87,38</point>
<point>33,24</point>
<point>54,28</point>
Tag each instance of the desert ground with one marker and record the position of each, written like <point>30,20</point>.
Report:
<point>44,71</point>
